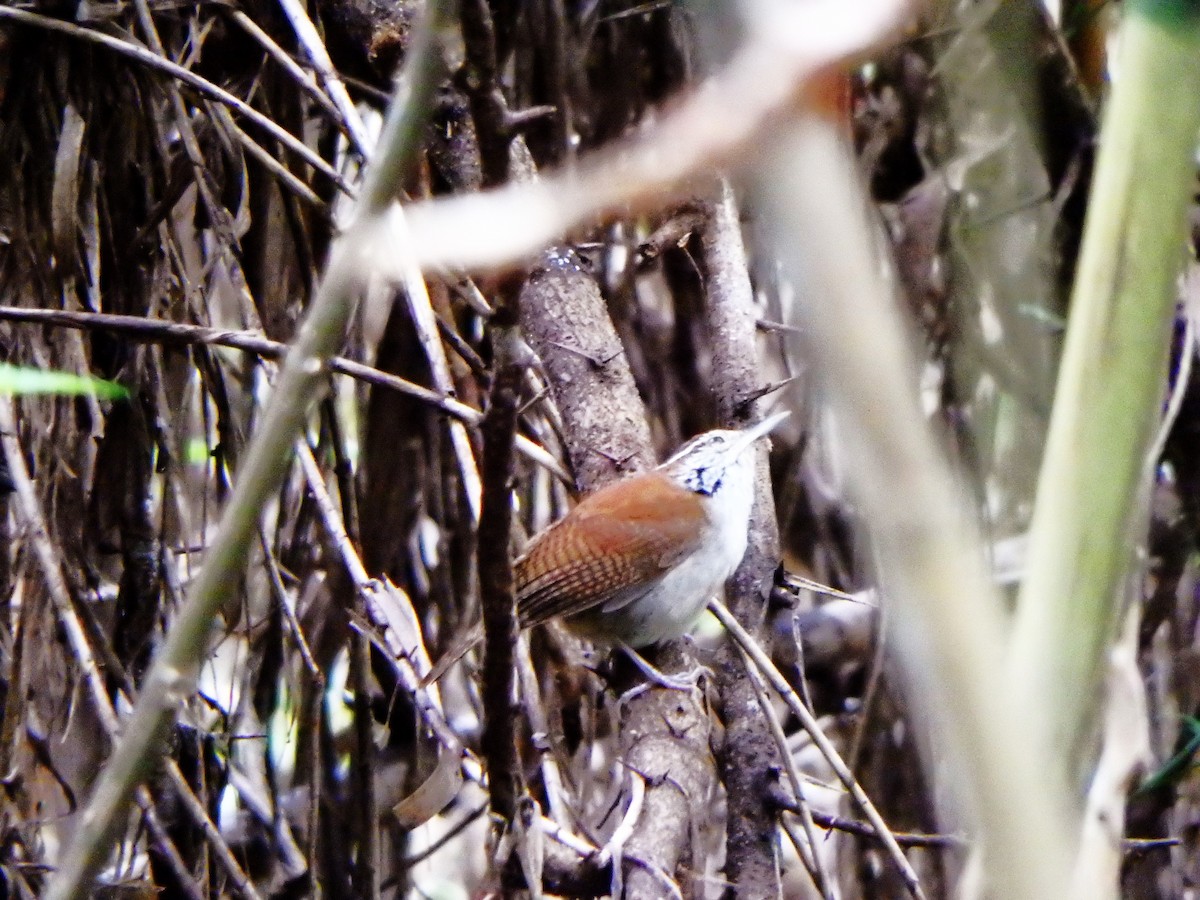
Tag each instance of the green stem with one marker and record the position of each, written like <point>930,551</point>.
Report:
<point>1090,513</point>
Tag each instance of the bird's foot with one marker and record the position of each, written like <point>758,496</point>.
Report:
<point>685,681</point>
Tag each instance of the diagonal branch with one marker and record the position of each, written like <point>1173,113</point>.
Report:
<point>845,776</point>
<point>172,677</point>
<point>763,82</point>
<point>48,557</point>
<point>314,49</point>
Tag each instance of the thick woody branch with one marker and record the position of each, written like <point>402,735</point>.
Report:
<point>664,733</point>
<point>565,319</point>
<point>749,755</point>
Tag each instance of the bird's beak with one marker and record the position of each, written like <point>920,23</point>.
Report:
<point>754,432</point>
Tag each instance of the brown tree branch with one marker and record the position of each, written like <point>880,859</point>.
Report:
<point>664,734</point>
<point>496,581</point>
<point>749,755</point>
<point>565,318</point>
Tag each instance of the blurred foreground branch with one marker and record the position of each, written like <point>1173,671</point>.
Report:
<point>950,625</point>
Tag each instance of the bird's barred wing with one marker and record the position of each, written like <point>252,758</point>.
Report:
<point>616,545</point>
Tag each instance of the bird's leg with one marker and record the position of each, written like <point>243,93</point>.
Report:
<point>686,682</point>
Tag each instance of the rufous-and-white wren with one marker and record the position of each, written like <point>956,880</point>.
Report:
<point>636,561</point>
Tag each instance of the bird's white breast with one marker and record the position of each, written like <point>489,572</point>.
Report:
<point>670,608</point>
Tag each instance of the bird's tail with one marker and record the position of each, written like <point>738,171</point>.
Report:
<point>456,652</point>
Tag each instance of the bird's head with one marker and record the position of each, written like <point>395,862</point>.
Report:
<point>701,465</point>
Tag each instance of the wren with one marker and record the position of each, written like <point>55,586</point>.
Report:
<point>637,561</point>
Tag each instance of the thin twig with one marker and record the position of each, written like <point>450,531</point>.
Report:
<point>805,849</point>
<point>870,693</point>
<point>49,560</point>
<point>196,811</point>
<point>366,864</point>
<point>314,49</point>
<point>146,329</point>
<point>404,652</point>
<point>845,776</point>
<point>304,79</point>
<point>808,849</point>
<point>539,725</point>
<point>275,578</point>
<point>257,804</point>
<point>221,216</point>
<point>167,848</point>
<point>1183,378</point>
<point>455,830</point>
<point>903,838</point>
<point>461,348</point>
<point>425,324</point>
<point>273,165</point>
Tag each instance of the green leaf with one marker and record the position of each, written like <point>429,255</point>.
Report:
<point>197,452</point>
<point>1178,765</point>
<point>20,380</point>
<point>1181,14</point>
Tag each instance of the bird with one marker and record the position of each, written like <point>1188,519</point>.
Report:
<point>636,561</point>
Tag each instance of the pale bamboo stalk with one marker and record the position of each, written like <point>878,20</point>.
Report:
<point>1092,500</point>
<point>950,626</point>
